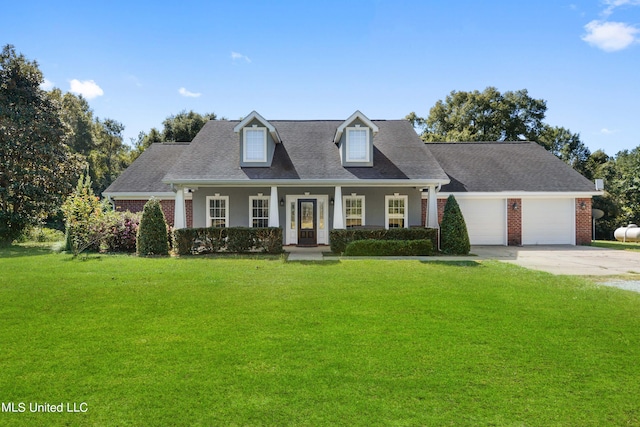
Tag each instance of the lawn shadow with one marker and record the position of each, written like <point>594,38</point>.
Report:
<point>325,262</point>
<point>16,251</point>
<point>454,263</point>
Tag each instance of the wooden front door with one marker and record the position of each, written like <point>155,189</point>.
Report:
<point>307,228</point>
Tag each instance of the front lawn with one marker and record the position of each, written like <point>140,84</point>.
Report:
<point>214,341</point>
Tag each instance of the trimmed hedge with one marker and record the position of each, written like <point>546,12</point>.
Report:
<point>389,248</point>
<point>152,232</point>
<point>453,230</point>
<point>341,238</point>
<point>234,239</point>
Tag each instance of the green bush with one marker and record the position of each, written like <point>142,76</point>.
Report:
<point>152,238</point>
<point>40,235</point>
<point>341,238</point>
<point>453,230</point>
<point>372,247</point>
<point>188,241</point>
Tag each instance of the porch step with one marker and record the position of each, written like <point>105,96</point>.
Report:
<point>304,254</point>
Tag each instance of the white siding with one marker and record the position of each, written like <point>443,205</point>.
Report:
<point>548,222</point>
<point>486,220</point>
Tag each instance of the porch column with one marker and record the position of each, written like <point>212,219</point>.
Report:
<point>432,208</point>
<point>274,219</point>
<point>179,218</point>
<point>338,220</point>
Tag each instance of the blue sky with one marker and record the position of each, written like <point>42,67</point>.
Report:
<point>139,62</point>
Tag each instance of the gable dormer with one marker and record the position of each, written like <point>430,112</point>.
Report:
<point>354,138</point>
<point>258,139</point>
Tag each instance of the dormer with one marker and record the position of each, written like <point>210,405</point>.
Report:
<point>354,138</point>
<point>258,139</point>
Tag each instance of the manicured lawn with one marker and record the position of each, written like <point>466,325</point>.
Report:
<point>202,341</point>
<point>616,245</point>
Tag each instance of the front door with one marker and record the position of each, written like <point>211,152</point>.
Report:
<point>307,230</point>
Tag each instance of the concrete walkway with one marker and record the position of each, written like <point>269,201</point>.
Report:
<point>305,254</point>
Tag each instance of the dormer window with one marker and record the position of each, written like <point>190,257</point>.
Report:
<point>358,144</point>
<point>255,144</point>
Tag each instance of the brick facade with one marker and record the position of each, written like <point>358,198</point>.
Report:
<point>514,222</point>
<point>583,221</point>
<point>168,208</point>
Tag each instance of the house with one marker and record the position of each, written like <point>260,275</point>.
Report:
<point>312,176</point>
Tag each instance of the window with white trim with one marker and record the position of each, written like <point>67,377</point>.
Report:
<point>353,210</point>
<point>396,211</point>
<point>358,145</point>
<point>255,145</point>
<point>258,211</point>
<point>218,211</point>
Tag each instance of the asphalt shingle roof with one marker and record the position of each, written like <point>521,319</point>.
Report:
<point>307,152</point>
<point>505,166</point>
<point>145,174</point>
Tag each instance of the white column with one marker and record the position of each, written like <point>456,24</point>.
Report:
<point>432,208</point>
<point>338,219</point>
<point>274,218</point>
<point>179,219</point>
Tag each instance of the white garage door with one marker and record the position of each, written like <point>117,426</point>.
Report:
<point>486,220</point>
<point>548,222</point>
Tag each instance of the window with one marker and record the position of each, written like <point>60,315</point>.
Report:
<point>218,211</point>
<point>358,144</point>
<point>258,211</point>
<point>396,211</point>
<point>353,211</point>
<point>255,145</point>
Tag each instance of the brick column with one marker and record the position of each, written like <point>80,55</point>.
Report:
<point>583,221</point>
<point>514,222</point>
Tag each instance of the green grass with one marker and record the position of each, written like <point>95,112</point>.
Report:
<point>609,244</point>
<point>215,341</point>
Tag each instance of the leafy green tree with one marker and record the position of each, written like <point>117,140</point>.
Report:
<point>566,145</point>
<point>110,156</point>
<point>453,230</point>
<point>77,116</point>
<point>37,168</point>
<point>483,116</point>
<point>152,237</point>
<point>184,126</point>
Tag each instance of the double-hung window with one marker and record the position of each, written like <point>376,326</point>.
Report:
<point>396,211</point>
<point>259,211</point>
<point>358,145</point>
<point>255,145</point>
<point>353,211</point>
<point>218,211</point>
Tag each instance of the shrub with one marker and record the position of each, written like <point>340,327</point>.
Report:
<point>372,247</point>
<point>341,238</point>
<point>234,239</point>
<point>40,234</point>
<point>453,230</point>
<point>123,230</point>
<point>152,238</point>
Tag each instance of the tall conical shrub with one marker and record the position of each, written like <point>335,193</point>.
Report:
<point>453,230</point>
<point>152,236</point>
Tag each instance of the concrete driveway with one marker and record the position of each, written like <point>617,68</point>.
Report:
<point>572,260</point>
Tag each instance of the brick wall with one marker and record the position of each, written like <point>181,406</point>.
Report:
<point>514,222</point>
<point>583,221</point>
<point>168,208</point>
<point>441,203</point>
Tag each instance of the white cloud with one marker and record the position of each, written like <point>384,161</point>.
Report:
<point>87,88</point>
<point>184,92</point>
<point>606,131</point>
<point>47,85</point>
<point>610,36</point>
<point>613,4</point>
<point>236,56</point>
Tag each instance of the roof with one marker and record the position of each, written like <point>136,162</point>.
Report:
<point>145,174</point>
<point>505,166</point>
<point>307,152</point>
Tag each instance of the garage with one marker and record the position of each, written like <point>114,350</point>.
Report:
<point>548,222</point>
<point>486,220</point>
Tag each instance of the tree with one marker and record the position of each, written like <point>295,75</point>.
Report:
<point>184,126</point>
<point>483,116</point>
<point>152,237</point>
<point>566,145</point>
<point>110,156</point>
<point>37,168</point>
<point>453,230</point>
